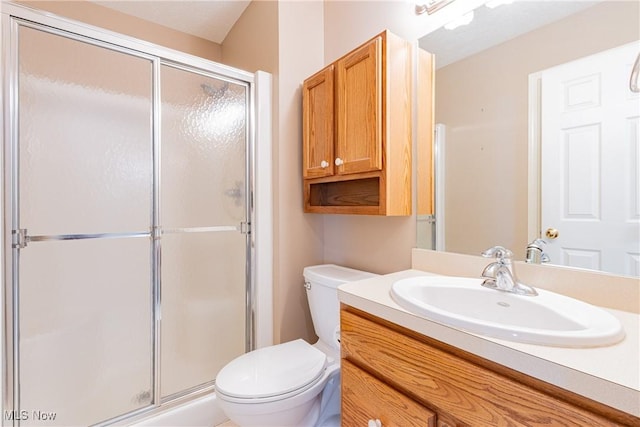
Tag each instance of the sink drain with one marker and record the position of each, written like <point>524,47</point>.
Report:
<point>504,304</point>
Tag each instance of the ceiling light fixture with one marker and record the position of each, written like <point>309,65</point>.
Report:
<point>459,22</point>
<point>431,6</point>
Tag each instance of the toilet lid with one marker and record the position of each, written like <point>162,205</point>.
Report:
<point>272,371</point>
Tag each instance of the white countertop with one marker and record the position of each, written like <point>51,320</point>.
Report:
<point>610,375</point>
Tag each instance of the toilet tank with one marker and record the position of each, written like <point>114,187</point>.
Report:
<point>321,282</point>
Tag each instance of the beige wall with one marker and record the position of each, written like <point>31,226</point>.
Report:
<point>348,24</point>
<point>118,22</point>
<point>286,39</point>
<point>376,244</point>
<point>299,236</point>
<point>252,43</point>
<point>486,117</point>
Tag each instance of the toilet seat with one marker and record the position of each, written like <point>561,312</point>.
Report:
<point>271,373</point>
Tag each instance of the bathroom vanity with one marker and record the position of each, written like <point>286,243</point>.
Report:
<point>405,370</point>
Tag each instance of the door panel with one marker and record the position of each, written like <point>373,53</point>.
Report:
<point>590,162</point>
<point>318,124</point>
<point>84,167</point>
<point>203,167</point>
<point>203,203</point>
<point>85,137</point>
<point>203,306</point>
<point>359,109</point>
<point>85,329</point>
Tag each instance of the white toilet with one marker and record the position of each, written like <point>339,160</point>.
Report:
<point>294,383</point>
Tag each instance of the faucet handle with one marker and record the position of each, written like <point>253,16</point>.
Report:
<point>499,252</point>
<point>537,244</point>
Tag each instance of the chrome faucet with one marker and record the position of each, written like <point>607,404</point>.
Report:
<point>535,254</point>
<point>500,275</point>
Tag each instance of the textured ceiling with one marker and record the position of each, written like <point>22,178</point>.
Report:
<point>491,27</point>
<point>210,20</point>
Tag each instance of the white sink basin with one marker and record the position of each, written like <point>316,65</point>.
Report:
<point>546,319</point>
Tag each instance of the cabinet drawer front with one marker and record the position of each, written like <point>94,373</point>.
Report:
<point>450,385</point>
<point>366,398</point>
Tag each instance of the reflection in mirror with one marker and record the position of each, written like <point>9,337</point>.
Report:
<point>487,108</point>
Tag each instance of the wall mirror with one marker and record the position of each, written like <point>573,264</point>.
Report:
<point>488,96</point>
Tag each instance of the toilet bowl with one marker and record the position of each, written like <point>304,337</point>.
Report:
<point>294,383</point>
<point>283,389</point>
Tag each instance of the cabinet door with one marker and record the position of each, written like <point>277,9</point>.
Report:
<point>318,124</point>
<point>365,398</point>
<point>359,109</point>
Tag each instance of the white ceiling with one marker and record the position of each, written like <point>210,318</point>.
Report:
<point>491,27</point>
<point>210,20</point>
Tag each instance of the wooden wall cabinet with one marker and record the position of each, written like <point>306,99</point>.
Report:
<point>357,131</point>
<point>389,370</point>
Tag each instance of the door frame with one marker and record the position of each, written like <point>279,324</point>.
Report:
<point>534,160</point>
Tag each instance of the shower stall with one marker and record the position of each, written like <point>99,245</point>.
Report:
<point>127,244</point>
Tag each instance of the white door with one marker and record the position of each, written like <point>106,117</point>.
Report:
<point>590,127</point>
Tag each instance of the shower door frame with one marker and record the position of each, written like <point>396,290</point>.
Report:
<point>14,16</point>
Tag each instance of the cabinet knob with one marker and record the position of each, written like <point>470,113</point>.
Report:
<point>374,423</point>
<point>324,164</point>
<point>339,161</point>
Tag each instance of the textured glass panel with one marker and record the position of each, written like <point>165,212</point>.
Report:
<point>203,150</point>
<point>85,329</point>
<point>85,137</point>
<point>203,306</point>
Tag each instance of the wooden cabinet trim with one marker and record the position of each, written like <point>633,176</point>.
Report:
<point>397,126</point>
<point>425,191</point>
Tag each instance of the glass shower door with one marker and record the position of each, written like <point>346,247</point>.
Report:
<point>127,226</point>
<point>202,212</point>
<point>82,200</point>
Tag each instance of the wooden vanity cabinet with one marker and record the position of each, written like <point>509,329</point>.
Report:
<point>357,133</point>
<point>436,383</point>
